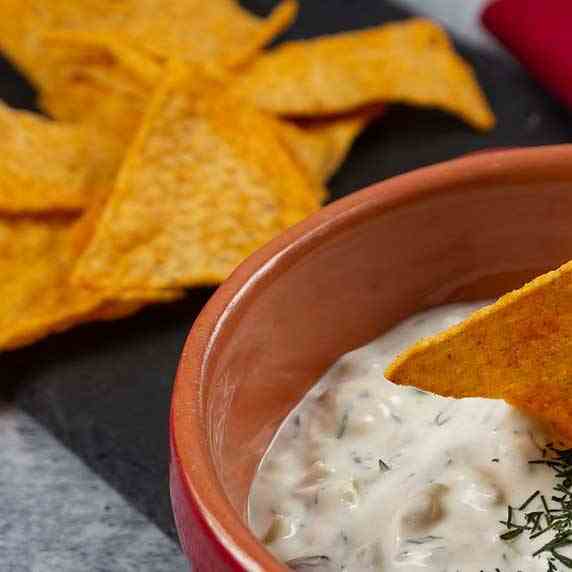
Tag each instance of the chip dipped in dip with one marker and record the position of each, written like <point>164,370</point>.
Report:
<point>366,475</point>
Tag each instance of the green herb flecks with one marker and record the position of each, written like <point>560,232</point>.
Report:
<point>423,539</point>
<point>383,466</point>
<point>441,419</point>
<point>552,517</point>
<point>343,425</point>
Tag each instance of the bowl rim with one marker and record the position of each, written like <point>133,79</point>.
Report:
<point>199,480</point>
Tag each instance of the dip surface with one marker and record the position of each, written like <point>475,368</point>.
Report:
<point>366,475</point>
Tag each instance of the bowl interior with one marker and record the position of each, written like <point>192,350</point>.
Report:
<point>369,265</point>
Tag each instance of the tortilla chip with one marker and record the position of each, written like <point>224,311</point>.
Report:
<point>36,297</point>
<point>198,30</point>
<point>98,80</point>
<point>44,166</point>
<point>518,349</point>
<point>123,302</point>
<point>120,302</point>
<point>410,62</point>
<point>46,163</point>
<point>206,182</point>
<point>24,23</point>
<point>322,145</point>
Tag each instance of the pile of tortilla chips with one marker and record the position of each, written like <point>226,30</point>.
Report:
<point>175,143</point>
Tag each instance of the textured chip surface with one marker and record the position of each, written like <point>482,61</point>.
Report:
<point>518,349</point>
<point>36,295</point>
<point>43,164</point>
<point>98,80</point>
<point>321,145</point>
<point>206,182</point>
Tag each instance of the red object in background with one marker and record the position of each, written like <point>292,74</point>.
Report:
<point>539,34</point>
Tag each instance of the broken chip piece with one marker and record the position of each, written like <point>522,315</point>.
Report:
<point>518,349</point>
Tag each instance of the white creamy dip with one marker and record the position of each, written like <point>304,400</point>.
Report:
<point>366,475</point>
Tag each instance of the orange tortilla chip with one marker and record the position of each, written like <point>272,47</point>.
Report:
<point>77,49</point>
<point>25,23</point>
<point>321,145</point>
<point>42,164</point>
<point>36,297</point>
<point>197,30</point>
<point>206,182</point>
<point>36,300</point>
<point>410,62</point>
<point>98,80</point>
<point>47,166</point>
<point>518,349</point>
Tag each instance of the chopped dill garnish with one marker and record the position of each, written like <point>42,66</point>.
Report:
<point>383,466</point>
<point>308,562</point>
<point>528,500</point>
<point>441,419</point>
<point>343,425</point>
<point>552,517</point>
<point>511,534</point>
<point>423,539</point>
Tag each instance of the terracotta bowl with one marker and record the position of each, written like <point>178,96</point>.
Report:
<point>462,230</point>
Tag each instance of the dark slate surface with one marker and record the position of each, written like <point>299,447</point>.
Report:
<point>104,389</point>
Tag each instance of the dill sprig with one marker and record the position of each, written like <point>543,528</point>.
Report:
<point>552,517</point>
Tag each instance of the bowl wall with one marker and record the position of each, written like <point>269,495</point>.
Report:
<point>463,230</point>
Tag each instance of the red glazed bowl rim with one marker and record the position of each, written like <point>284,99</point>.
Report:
<point>209,505</point>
